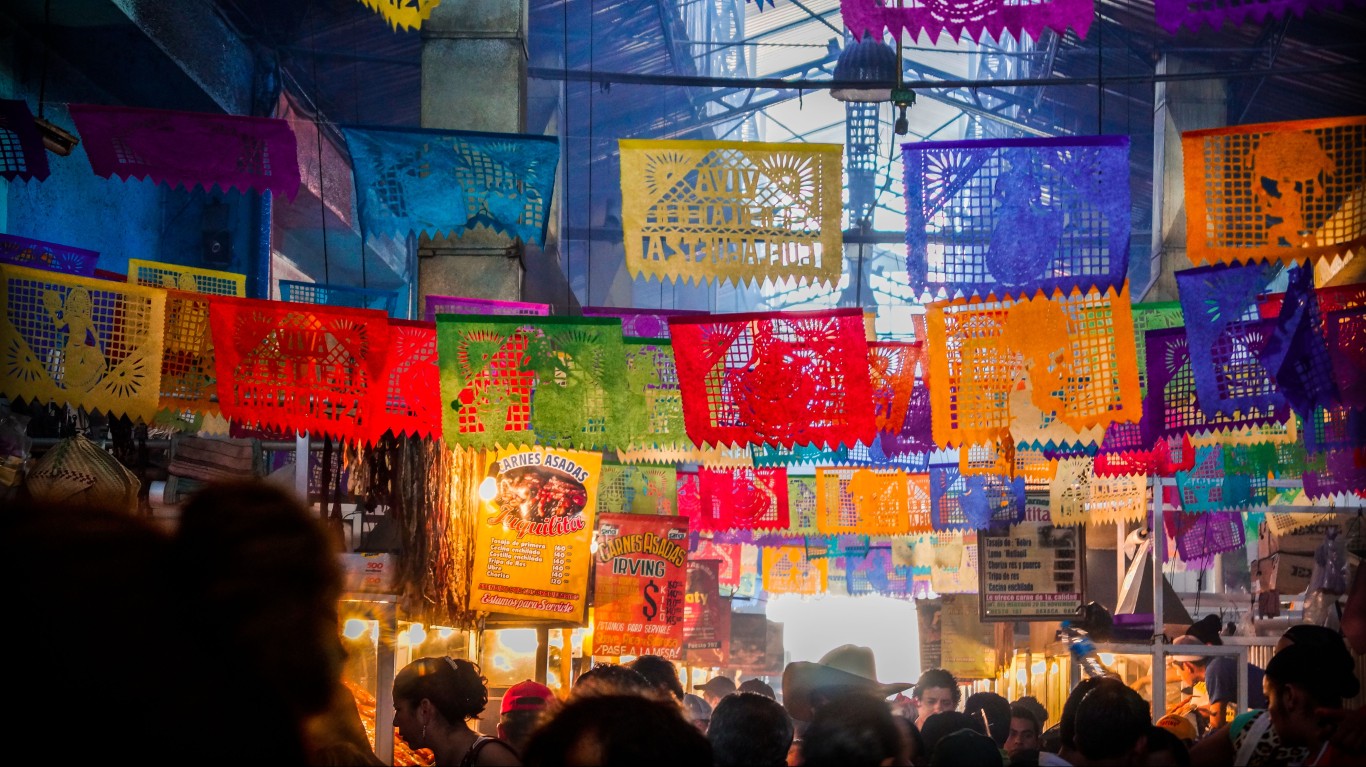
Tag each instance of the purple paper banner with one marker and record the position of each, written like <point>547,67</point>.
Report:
<point>640,323</point>
<point>1192,14</point>
<point>37,254</point>
<point>1220,304</point>
<point>974,501</point>
<point>972,19</point>
<point>1012,217</point>
<point>457,305</point>
<point>22,154</point>
<point>1297,353</point>
<point>190,149</point>
<point>1170,406</point>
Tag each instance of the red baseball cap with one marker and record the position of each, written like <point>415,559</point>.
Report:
<point>527,696</point>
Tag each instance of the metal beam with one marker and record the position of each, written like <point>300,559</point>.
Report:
<point>202,45</point>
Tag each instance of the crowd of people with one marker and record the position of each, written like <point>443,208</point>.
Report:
<point>169,645</point>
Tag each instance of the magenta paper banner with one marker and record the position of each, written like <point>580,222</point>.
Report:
<point>459,305</point>
<point>640,323</point>
<point>22,154</point>
<point>190,149</point>
<point>973,19</point>
<point>1173,14</point>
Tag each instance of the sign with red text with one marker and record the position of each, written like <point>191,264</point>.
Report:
<point>639,585</point>
<point>706,616</point>
<point>535,527</point>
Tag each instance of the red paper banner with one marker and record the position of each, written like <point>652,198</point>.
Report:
<point>302,367</point>
<point>638,591</point>
<point>742,499</point>
<point>780,378</point>
<point>412,381</point>
<point>706,616</point>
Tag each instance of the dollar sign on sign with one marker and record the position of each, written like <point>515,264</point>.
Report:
<point>651,608</point>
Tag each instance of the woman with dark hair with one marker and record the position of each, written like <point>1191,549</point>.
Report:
<point>1303,688</point>
<point>660,672</point>
<point>434,699</point>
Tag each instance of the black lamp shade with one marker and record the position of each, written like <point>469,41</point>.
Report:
<point>870,69</point>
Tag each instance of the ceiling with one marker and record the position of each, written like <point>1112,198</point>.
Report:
<point>735,70</point>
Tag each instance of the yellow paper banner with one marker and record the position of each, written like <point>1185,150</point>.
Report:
<point>88,343</point>
<point>531,550</point>
<point>739,212</point>
<point>408,14</point>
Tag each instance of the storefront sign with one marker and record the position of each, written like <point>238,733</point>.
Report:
<point>532,540</point>
<point>706,616</point>
<point>638,592</point>
<point>1030,571</point>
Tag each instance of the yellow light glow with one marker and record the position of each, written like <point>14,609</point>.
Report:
<point>445,632</point>
<point>415,634</point>
<point>1108,658</point>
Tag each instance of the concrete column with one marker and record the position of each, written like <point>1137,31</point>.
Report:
<point>474,61</point>
<point>1177,106</point>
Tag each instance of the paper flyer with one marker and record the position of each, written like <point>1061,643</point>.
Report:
<point>532,541</point>
<point>639,585</point>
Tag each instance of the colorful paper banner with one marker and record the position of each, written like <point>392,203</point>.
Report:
<point>49,256</point>
<point>1012,217</point>
<point>930,20</point>
<point>639,585</point>
<point>22,154</point>
<point>729,211</point>
<point>532,540</point>
<point>189,149</point>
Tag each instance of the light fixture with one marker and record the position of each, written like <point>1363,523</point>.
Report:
<point>55,139</point>
<point>872,72</point>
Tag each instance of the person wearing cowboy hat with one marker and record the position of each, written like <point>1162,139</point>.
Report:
<point>807,685</point>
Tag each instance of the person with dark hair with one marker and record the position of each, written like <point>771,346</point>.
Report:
<point>912,744</point>
<point>1032,703</point>
<point>1305,688</point>
<point>618,731</point>
<point>964,747</point>
<point>660,672</point>
<point>935,691</point>
<point>1024,730</point>
<point>434,699</point>
<point>939,725</point>
<point>612,679</point>
<point>1111,725</point>
<point>854,729</point>
<point>523,706</point>
<point>1166,749</point>
<point>759,686</point>
<point>1220,675</point>
<point>337,738</point>
<point>749,729</point>
<point>697,711</point>
<point>715,689</point>
<point>1208,630</point>
<point>994,711</point>
<point>1066,729</point>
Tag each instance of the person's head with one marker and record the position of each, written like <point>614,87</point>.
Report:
<point>1024,730</point>
<point>337,735</point>
<point>1166,748</point>
<point>698,711</point>
<point>261,566</point>
<point>912,745</point>
<point>854,728</point>
<point>522,708</point>
<point>966,746</point>
<point>1067,720</point>
<point>1310,635</point>
<point>437,693</point>
<point>1112,723</point>
<point>759,686</point>
<point>936,691</point>
<point>660,672</point>
<point>1301,679</point>
<point>612,679</point>
<point>1191,668</point>
<point>847,668</point>
<point>749,729</point>
<point>994,711</point>
<point>715,689</point>
<point>1207,630</point>
<point>1032,703</point>
<point>617,730</point>
<point>941,724</point>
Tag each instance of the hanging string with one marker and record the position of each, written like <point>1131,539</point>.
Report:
<point>564,244</point>
<point>592,133</point>
<point>47,56</point>
<point>1100,71</point>
<point>355,118</point>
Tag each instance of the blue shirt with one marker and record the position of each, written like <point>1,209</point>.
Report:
<point>1222,682</point>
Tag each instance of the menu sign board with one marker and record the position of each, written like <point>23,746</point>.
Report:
<point>706,616</point>
<point>533,536</point>
<point>639,585</point>
<point>1030,571</point>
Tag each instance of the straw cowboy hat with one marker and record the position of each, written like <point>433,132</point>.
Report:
<point>845,667</point>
